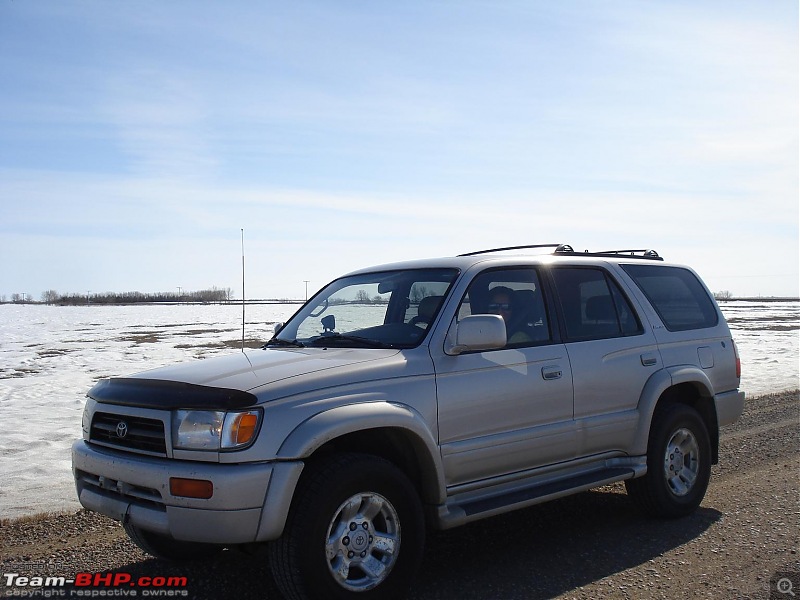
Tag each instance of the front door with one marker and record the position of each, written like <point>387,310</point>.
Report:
<point>505,410</point>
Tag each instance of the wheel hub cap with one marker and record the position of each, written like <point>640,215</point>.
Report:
<point>681,462</point>
<point>363,541</point>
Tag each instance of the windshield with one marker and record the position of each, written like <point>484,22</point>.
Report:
<point>386,309</point>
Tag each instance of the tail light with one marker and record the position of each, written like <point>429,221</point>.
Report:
<point>738,362</point>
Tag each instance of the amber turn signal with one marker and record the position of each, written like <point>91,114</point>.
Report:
<point>244,427</point>
<point>191,488</point>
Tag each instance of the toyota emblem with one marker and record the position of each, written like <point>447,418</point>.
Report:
<point>122,429</point>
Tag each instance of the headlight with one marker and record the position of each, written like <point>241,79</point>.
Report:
<point>85,421</point>
<point>213,430</point>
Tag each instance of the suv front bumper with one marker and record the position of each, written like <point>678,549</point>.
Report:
<point>135,489</point>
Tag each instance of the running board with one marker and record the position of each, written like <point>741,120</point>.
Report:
<point>457,513</point>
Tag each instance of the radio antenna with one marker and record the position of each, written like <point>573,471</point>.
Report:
<point>243,290</point>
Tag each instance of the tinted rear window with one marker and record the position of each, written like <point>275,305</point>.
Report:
<point>679,298</point>
<point>592,305</point>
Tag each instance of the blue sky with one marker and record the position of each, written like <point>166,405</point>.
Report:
<point>138,138</point>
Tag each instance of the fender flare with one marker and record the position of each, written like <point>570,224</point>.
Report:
<point>653,390</point>
<point>316,431</point>
<point>311,434</point>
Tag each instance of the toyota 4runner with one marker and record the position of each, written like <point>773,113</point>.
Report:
<point>418,395</point>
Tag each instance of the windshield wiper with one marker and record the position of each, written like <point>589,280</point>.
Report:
<point>280,342</point>
<point>337,339</point>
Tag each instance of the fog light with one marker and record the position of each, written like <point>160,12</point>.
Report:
<point>191,488</point>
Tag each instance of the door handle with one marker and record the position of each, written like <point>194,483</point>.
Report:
<point>648,360</point>
<point>550,373</point>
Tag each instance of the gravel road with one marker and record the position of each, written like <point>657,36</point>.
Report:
<point>741,541</point>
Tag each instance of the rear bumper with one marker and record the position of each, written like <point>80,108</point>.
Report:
<point>729,406</point>
<point>249,502</point>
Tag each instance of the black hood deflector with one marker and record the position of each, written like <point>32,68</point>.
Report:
<point>159,393</point>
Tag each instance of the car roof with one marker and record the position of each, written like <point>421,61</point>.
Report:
<point>500,257</point>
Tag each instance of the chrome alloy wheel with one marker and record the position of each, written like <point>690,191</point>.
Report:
<point>363,541</point>
<point>681,462</point>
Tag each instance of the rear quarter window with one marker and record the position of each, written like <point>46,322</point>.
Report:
<point>679,298</point>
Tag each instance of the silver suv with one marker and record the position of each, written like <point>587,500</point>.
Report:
<point>426,393</point>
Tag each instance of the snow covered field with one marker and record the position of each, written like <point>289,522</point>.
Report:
<point>50,356</point>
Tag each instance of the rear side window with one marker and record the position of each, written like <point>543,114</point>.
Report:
<point>593,306</point>
<point>677,295</point>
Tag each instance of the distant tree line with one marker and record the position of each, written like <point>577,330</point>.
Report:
<point>210,295</point>
<point>417,293</point>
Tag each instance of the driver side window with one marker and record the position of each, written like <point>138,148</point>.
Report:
<point>515,295</point>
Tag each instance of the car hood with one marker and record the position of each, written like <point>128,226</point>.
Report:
<point>246,371</point>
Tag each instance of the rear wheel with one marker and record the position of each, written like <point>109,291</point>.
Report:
<point>678,464</point>
<point>162,546</point>
<point>355,530</point>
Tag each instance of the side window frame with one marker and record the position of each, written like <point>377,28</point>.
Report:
<point>615,294</point>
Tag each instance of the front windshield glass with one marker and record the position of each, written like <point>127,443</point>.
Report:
<point>385,309</point>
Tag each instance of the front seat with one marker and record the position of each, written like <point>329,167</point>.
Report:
<point>426,310</point>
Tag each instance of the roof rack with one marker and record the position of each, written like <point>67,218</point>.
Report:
<point>566,249</point>
<point>645,253</point>
<point>640,253</point>
<point>557,247</point>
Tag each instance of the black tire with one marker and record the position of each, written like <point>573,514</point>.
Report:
<point>165,547</point>
<point>678,464</point>
<point>355,530</point>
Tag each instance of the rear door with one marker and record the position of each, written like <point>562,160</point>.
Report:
<point>612,356</point>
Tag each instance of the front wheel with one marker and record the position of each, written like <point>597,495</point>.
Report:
<point>678,464</point>
<point>355,530</point>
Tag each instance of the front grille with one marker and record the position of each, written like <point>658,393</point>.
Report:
<point>133,433</point>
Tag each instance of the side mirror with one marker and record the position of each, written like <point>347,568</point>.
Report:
<point>479,332</point>
<point>278,327</point>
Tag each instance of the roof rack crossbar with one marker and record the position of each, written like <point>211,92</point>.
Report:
<point>556,246</point>
<point>645,252</point>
